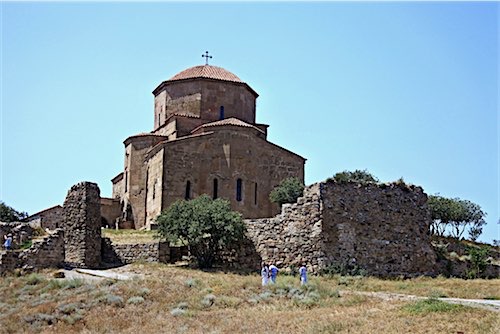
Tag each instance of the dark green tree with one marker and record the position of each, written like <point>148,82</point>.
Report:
<point>358,176</point>
<point>8,214</point>
<point>207,226</point>
<point>455,215</point>
<point>287,191</point>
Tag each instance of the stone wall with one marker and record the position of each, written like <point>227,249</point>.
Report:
<point>291,238</point>
<point>381,229</point>
<point>47,252</point>
<point>110,212</point>
<point>82,225</point>
<point>226,155</point>
<point>129,253</point>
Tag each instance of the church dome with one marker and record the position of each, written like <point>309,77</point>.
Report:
<point>206,71</point>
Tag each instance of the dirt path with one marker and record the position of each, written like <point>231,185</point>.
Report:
<point>491,305</point>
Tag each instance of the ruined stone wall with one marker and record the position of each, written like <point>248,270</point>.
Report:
<point>380,229</point>
<point>129,253</point>
<point>294,236</point>
<point>47,252</point>
<point>82,225</point>
<point>383,229</point>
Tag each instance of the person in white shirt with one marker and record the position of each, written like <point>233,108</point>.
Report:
<point>303,275</point>
<point>265,274</point>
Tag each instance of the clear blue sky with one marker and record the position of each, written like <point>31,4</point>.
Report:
<point>401,89</point>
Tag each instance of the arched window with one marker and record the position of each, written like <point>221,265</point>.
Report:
<point>255,194</point>
<point>221,112</point>
<point>188,190</point>
<point>239,184</point>
<point>216,188</point>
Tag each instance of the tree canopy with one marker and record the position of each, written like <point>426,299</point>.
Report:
<point>455,215</point>
<point>8,214</point>
<point>287,191</point>
<point>207,226</point>
<point>358,176</point>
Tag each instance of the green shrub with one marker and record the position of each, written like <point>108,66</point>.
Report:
<point>430,305</point>
<point>287,191</point>
<point>358,176</point>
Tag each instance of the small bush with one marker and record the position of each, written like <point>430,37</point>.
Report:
<point>177,312</point>
<point>358,176</point>
<point>114,300</point>
<point>431,305</point>
<point>34,279</point>
<point>208,300</point>
<point>135,300</point>
<point>287,191</point>
<point>191,283</point>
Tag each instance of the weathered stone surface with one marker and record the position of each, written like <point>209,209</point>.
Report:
<point>82,225</point>
<point>50,218</point>
<point>205,141</point>
<point>382,229</point>
<point>129,253</point>
<point>47,252</point>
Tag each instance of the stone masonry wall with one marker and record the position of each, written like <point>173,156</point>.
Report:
<point>82,225</point>
<point>45,253</point>
<point>294,236</point>
<point>383,229</point>
<point>129,253</point>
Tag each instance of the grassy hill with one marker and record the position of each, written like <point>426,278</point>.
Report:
<point>171,299</point>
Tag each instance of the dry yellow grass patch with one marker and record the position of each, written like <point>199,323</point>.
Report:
<point>129,236</point>
<point>174,300</point>
<point>427,286</point>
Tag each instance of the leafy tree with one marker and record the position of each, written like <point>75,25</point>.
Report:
<point>207,226</point>
<point>478,259</point>
<point>8,214</point>
<point>287,191</point>
<point>358,176</point>
<point>455,215</point>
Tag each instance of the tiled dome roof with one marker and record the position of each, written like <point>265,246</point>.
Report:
<point>206,71</point>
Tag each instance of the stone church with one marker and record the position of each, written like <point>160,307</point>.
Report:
<point>205,141</point>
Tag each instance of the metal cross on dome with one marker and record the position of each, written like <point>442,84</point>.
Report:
<point>206,56</point>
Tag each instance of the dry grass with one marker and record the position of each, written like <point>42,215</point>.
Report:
<point>218,302</point>
<point>129,236</point>
<point>426,286</point>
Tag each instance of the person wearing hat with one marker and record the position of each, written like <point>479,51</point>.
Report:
<point>8,241</point>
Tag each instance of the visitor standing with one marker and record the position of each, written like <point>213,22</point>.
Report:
<point>303,275</point>
<point>264,272</point>
<point>8,241</point>
<point>273,273</point>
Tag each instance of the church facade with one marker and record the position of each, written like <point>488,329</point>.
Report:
<point>205,141</point>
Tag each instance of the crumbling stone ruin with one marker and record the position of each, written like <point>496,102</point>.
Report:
<point>381,229</point>
<point>82,225</point>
